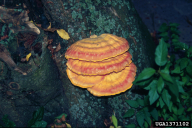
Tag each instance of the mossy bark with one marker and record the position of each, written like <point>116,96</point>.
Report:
<point>23,94</point>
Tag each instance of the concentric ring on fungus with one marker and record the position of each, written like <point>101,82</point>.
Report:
<point>115,83</point>
<point>114,64</point>
<point>83,81</point>
<point>97,48</point>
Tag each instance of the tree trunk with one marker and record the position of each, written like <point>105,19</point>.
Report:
<point>80,20</point>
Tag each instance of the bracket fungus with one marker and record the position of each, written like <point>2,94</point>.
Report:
<point>102,64</point>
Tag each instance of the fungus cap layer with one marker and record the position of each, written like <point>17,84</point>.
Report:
<point>115,83</point>
<point>83,81</point>
<point>115,64</point>
<point>97,48</point>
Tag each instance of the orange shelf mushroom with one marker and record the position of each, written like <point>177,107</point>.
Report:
<point>102,64</point>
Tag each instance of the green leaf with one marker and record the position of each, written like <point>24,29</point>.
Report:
<point>178,100</point>
<point>182,74</point>
<point>157,105</point>
<point>181,83</point>
<point>161,102</point>
<point>153,95</point>
<point>114,119</point>
<point>164,34</point>
<point>40,124</point>
<point>60,116</point>
<point>175,117</point>
<point>189,110</point>
<point>37,116</point>
<point>144,82</point>
<point>140,102</point>
<point>173,87</point>
<point>183,63</point>
<point>174,25</point>
<point>159,113</point>
<point>166,77</point>
<point>176,70</point>
<point>177,62</point>
<point>190,49</point>
<point>146,125</point>
<point>165,116</point>
<point>183,118</point>
<point>166,69</point>
<point>180,87</point>
<point>179,45</point>
<point>170,106</point>
<point>129,113</point>
<point>164,110</point>
<point>161,53</point>
<point>180,111</point>
<point>133,103</point>
<point>166,97</point>
<point>175,42</point>
<point>172,59</point>
<point>163,28</point>
<point>147,116</point>
<point>140,118</point>
<point>152,84</point>
<point>166,39</point>
<point>146,100</point>
<point>184,96</point>
<point>130,126</point>
<point>189,69</point>
<point>145,74</point>
<point>185,80</point>
<point>189,84</point>
<point>174,36</point>
<point>174,30</point>
<point>189,52</point>
<point>174,109</point>
<point>154,114</point>
<point>160,85</point>
<point>7,122</point>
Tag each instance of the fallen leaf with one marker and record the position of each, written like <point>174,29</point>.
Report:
<point>58,48</point>
<point>9,93</point>
<point>28,56</point>
<point>63,34</point>
<point>4,37</point>
<point>50,41</point>
<point>50,30</point>
<point>49,27</point>
<point>63,118</point>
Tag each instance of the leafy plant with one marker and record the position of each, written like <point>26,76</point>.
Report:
<point>37,120</point>
<point>170,33</point>
<point>169,88</point>
<point>115,122</point>
<point>7,122</point>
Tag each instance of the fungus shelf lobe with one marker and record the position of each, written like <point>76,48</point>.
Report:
<point>98,48</point>
<point>113,64</point>
<point>115,83</point>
